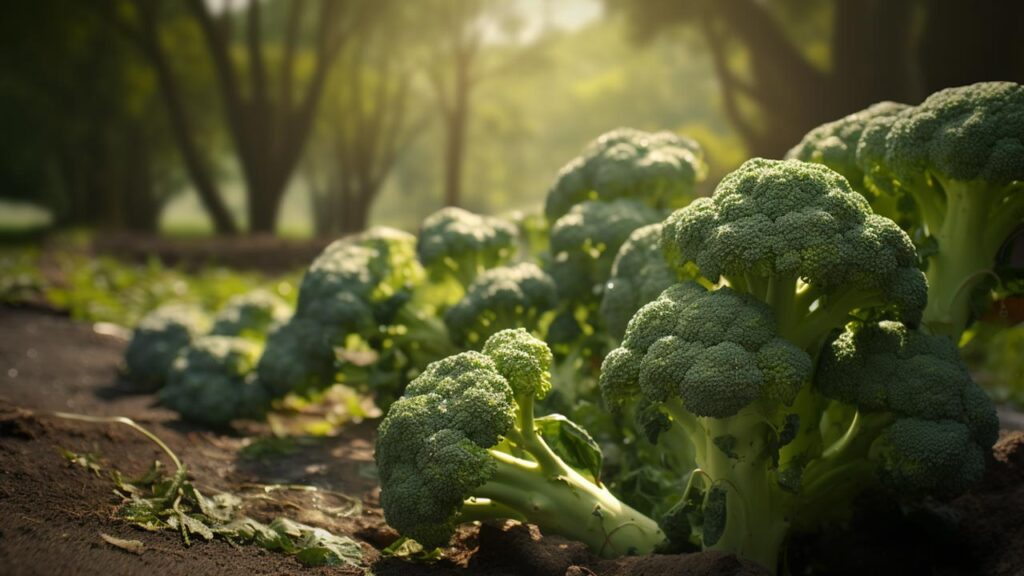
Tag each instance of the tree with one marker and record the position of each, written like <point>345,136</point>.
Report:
<point>90,144</point>
<point>268,109</point>
<point>775,90</point>
<point>457,68</point>
<point>366,123</point>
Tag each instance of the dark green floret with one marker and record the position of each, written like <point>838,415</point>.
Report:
<point>501,298</point>
<point>659,169</point>
<point>459,244</point>
<point>157,340</point>
<point>213,381</point>
<point>251,315</point>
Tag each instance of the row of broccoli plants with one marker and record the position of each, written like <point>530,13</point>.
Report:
<point>730,368</point>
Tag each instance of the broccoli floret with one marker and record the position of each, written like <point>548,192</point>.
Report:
<point>213,381</point>
<point>835,145</point>
<point>458,244</point>
<point>501,298</point>
<point>923,427</point>
<point>960,155</point>
<point>462,445</point>
<point>640,273</point>
<point>298,357</point>
<point>157,340</point>
<point>796,236</point>
<point>658,169</point>
<point>585,241</point>
<point>714,364</point>
<point>251,315</point>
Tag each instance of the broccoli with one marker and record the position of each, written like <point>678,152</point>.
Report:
<point>890,408</point>
<point>213,381</point>
<point>585,241</point>
<point>462,445</point>
<point>796,236</point>
<point>458,244</point>
<point>251,315</point>
<point>158,338</point>
<point>298,357</point>
<point>360,292</point>
<point>960,155</point>
<point>640,273</point>
<point>658,169</point>
<point>500,298</point>
<point>835,145</point>
<point>713,364</point>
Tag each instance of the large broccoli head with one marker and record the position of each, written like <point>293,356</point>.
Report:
<point>501,298</point>
<point>640,273</point>
<point>943,425</point>
<point>960,155</point>
<point>585,241</point>
<point>157,340</point>
<point>717,352</point>
<point>251,315</point>
<point>658,169</point>
<point>773,223</point>
<point>432,448</point>
<point>213,381</point>
<point>460,244</point>
<point>299,356</point>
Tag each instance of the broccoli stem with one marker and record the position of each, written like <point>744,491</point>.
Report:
<point>963,257</point>
<point>565,503</point>
<point>755,524</point>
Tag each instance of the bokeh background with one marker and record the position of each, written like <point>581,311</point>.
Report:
<point>308,118</point>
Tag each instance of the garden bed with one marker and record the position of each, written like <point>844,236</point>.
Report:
<point>54,511</point>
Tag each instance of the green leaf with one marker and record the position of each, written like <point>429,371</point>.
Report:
<point>409,549</point>
<point>572,443</point>
<point>88,460</point>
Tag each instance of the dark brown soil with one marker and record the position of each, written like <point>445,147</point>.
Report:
<point>52,512</point>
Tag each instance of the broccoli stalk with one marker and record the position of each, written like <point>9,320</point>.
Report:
<point>462,445</point>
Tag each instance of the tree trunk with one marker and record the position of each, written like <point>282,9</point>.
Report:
<point>456,123</point>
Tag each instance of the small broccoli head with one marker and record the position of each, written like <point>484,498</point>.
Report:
<point>500,298</point>
<point>585,241</point>
<point>251,315</point>
<point>157,340</point>
<point>787,220</point>
<point>944,423</point>
<point>213,382</point>
<point>460,244</point>
<point>639,275</point>
<point>299,356</point>
<point>432,445</point>
<point>835,144</point>
<point>716,351</point>
<point>658,169</point>
<point>375,267</point>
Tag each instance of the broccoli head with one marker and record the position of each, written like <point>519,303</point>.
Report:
<point>639,275</point>
<point>251,315</point>
<point>501,298</point>
<point>298,357</point>
<point>157,340</point>
<point>921,417</point>
<point>213,381</point>
<point>585,241</point>
<point>795,235</point>
<point>658,169</point>
<point>711,364</point>
<point>960,155</point>
<point>462,445</point>
<point>455,243</point>
<point>835,145</point>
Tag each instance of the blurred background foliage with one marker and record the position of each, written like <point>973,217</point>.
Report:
<point>311,119</point>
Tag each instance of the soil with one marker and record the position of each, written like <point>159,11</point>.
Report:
<point>52,512</point>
